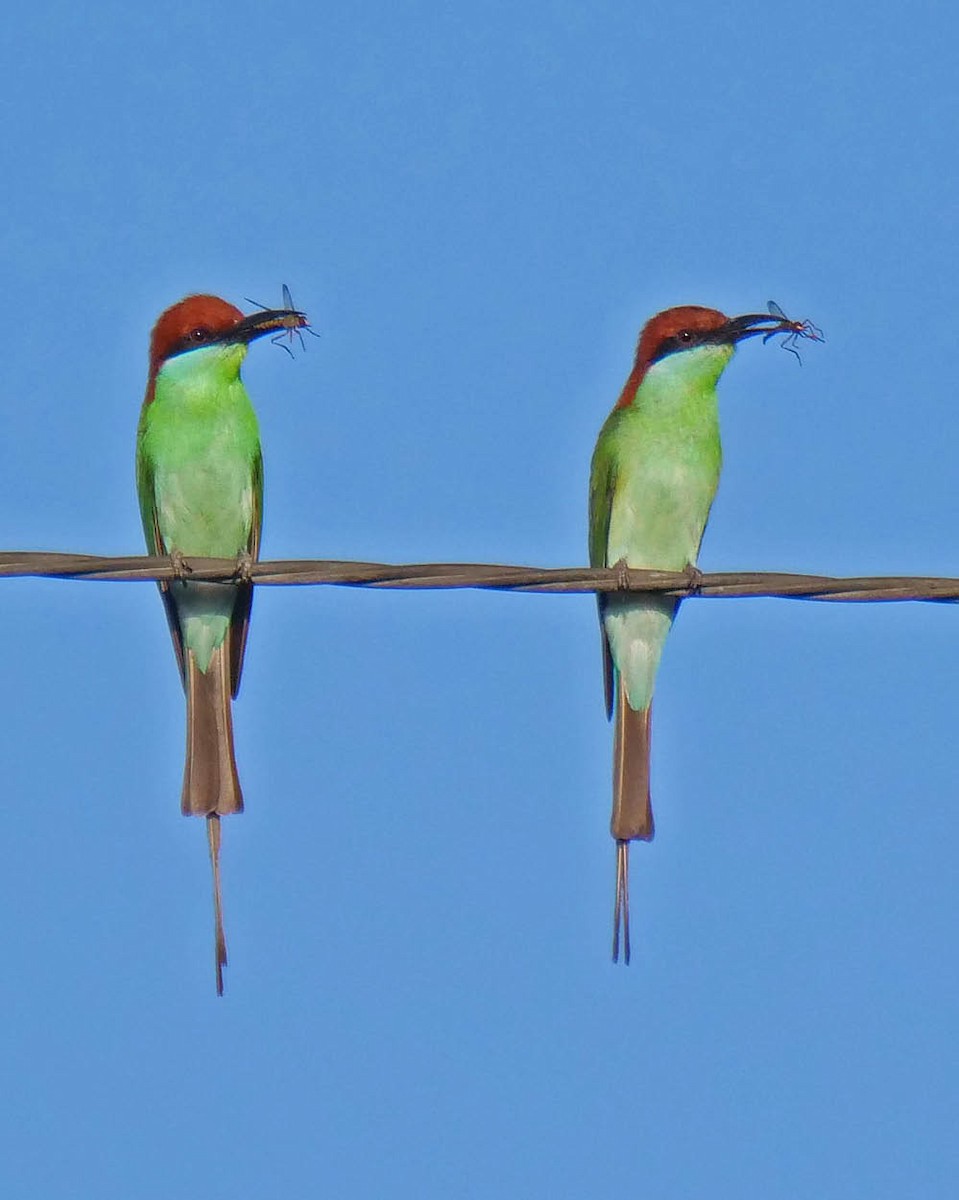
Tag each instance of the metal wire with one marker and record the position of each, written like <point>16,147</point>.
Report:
<point>725,584</point>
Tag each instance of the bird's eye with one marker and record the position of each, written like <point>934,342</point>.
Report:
<point>685,335</point>
<point>198,335</point>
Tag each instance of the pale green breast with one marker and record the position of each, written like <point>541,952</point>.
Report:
<point>199,475</point>
<point>198,460</point>
<point>655,473</point>
<point>664,485</point>
<point>662,496</point>
<point>666,456</point>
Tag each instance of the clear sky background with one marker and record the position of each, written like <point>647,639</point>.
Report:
<point>479,205</point>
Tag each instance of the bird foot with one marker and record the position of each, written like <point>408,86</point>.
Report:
<point>622,575</point>
<point>694,579</point>
<point>244,567</point>
<point>181,568</point>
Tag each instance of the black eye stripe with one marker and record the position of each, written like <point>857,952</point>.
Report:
<point>200,336</point>
<point>682,340</point>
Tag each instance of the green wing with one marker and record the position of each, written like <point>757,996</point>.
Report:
<point>602,486</point>
<point>240,621</point>
<point>155,546</point>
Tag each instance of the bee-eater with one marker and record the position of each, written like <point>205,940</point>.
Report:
<point>200,484</point>
<point>654,474</point>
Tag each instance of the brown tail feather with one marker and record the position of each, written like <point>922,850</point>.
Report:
<point>621,909</point>
<point>213,837</point>
<point>632,809</point>
<point>210,782</point>
<point>211,786</point>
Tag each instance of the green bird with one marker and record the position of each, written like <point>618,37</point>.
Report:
<point>200,484</point>
<point>654,474</point>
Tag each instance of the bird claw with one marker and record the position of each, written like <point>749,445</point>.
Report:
<point>622,575</point>
<point>694,579</point>
<point>244,567</point>
<point>181,568</point>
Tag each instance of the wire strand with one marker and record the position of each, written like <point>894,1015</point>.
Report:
<point>490,576</point>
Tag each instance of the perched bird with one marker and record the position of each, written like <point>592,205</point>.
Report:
<point>200,484</point>
<point>654,474</point>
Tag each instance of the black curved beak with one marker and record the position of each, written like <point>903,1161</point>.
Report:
<point>752,325</point>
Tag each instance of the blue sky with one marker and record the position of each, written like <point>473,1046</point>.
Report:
<point>479,205</point>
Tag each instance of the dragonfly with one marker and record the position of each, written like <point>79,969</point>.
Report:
<point>794,330</point>
<point>289,325</point>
